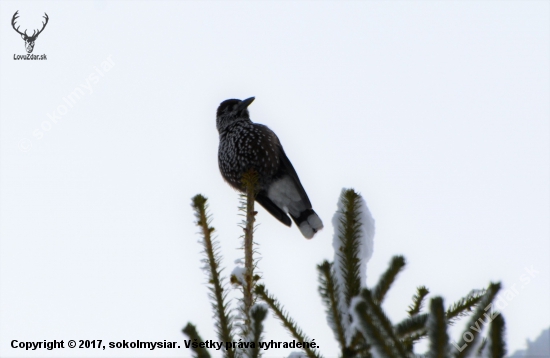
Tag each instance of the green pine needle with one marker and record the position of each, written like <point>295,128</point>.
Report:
<point>481,315</point>
<point>497,344</point>
<point>373,331</point>
<point>383,323</point>
<point>349,233</point>
<point>464,306</point>
<point>397,264</point>
<point>411,325</point>
<point>412,329</point>
<point>437,329</point>
<point>258,314</point>
<point>358,348</point>
<point>418,300</point>
<point>328,289</point>
<point>191,331</point>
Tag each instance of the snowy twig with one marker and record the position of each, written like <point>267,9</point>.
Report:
<point>347,244</point>
<point>353,247</point>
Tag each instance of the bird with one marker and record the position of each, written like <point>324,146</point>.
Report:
<point>245,145</point>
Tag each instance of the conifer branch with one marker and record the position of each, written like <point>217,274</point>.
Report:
<point>349,233</point>
<point>437,329</point>
<point>418,300</point>
<point>372,330</point>
<point>358,348</point>
<point>339,283</point>
<point>414,338</point>
<point>497,345</point>
<point>287,322</point>
<point>191,331</point>
<point>223,318</point>
<point>250,183</point>
<point>464,306</point>
<point>482,309</point>
<point>328,289</point>
<point>411,324</point>
<point>397,264</point>
<point>383,323</point>
<point>258,313</point>
<point>414,328</point>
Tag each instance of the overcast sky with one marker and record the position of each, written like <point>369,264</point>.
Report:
<point>436,111</point>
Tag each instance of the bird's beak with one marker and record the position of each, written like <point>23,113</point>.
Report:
<point>245,103</point>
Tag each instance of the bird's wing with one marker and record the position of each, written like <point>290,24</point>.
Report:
<point>273,209</point>
<point>286,167</point>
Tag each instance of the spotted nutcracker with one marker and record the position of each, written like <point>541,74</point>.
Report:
<point>245,145</point>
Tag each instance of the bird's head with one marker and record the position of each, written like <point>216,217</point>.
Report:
<point>232,110</point>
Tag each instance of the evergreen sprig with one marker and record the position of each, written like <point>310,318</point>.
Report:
<point>371,330</point>
<point>250,183</point>
<point>397,264</point>
<point>464,306</point>
<point>287,321</point>
<point>328,289</point>
<point>418,300</point>
<point>358,348</point>
<point>497,345</point>
<point>437,329</point>
<point>383,323</point>
<point>482,308</point>
<point>191,331</point>
<point>220,305</point>
<point>343,298</point>
<point>258,313</point>
<point>412,325</point>
<point>349,234</point>
<point>412,329</point>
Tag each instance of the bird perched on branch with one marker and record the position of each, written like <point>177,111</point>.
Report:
<point>245,145</point>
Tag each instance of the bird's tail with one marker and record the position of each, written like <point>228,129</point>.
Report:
<point>308,222</point>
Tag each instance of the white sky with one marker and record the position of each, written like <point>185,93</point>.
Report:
<point>437,112</point>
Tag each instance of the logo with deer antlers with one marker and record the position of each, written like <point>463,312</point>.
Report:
<point>29,40</point>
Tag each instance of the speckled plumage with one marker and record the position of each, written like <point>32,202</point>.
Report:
<point>245,145</point>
